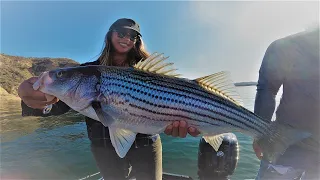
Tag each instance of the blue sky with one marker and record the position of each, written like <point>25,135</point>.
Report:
<point>200,37</point>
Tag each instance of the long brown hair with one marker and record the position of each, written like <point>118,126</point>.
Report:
<point>137,53</point>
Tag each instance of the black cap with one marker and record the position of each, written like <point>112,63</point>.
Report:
<point>125,23</point>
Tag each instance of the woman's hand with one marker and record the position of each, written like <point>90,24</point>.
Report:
<point>32,98</point>
<point>257,150</point>
<point>180,128</point>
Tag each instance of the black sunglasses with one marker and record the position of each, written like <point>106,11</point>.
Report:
<point>124,33</point>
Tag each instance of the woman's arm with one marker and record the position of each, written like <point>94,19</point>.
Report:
<point>33,102</point>
<point>57,109</point>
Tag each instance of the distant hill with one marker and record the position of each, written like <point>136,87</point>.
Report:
<point>15,69</point>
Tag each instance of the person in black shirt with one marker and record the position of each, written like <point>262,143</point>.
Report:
<point>123,47</point>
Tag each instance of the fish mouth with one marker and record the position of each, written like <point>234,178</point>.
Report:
<point>43,80</point>
<point>39,83</point>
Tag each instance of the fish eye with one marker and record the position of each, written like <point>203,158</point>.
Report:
<point>60,74</point>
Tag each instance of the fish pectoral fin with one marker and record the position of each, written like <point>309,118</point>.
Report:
<point>214,141</point>
<point>121,140</point>
<point>281,136</point>
<point>220,83</point>
<point>104,117</point>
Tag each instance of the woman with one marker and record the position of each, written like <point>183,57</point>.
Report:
<point>123,47</point>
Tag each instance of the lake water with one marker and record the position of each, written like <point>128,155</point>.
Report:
<point>58,147</point>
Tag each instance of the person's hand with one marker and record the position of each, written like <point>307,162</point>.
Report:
<point>180,128</point>
<point>257,149</point>
<point>32,98</point>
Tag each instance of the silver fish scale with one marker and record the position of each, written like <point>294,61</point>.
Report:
<point>156,101</point>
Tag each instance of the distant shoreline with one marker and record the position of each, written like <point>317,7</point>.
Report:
<point>5,96</point>
<point>245,84</point>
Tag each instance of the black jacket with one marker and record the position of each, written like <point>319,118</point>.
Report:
<point>96,131</point>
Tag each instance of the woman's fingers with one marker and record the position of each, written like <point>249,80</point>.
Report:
<point>183,128</point>
<point>175,130</point>
<point>37,104</point>
<point>193,131</point>
<point>26,90</point>
<point>168,130</point>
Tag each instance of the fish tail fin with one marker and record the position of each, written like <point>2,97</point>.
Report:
<point>280,137</point>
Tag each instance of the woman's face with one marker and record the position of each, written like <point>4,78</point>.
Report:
<point>123,40</point>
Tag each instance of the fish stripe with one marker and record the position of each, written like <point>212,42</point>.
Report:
<point>167,114</point>
<point>155,87</point>
<point>119,83</point>
<point>240,121</point>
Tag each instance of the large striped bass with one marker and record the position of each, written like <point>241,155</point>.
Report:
<point>148,97</point>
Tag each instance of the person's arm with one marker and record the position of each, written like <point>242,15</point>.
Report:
<point>270,80</point>
<point>57,109</point>
<point>33,102</point>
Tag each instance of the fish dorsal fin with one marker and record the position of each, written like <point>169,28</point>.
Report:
<point>220,83</point>
<point>155,64</point>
